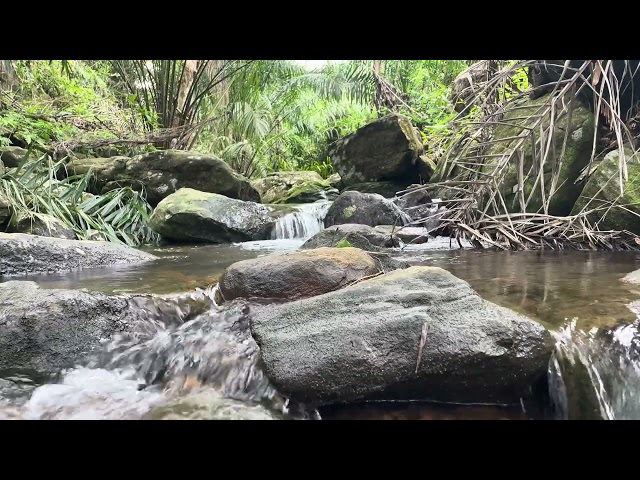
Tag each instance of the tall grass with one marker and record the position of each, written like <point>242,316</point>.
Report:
<point>119,216</point>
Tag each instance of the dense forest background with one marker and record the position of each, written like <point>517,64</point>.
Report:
<point>520,140</point>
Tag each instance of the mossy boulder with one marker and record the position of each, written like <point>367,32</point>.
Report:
<point>366,209</point>
<point>103,170</point>
<point>603,187</point>
<point>163,172</point>
<point>331,236</point>
<point>295,275</point>
<point>293,187</point>
<point>386,149</point>
<point>12,156</point>
<point>577,155</point>
<point>193,216</point>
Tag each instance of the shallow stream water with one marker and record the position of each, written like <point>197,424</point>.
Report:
<point>207,368</point>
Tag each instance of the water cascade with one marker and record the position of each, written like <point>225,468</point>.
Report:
<point>306,221</point>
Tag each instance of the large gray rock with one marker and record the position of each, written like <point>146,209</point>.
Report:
<point>48,330</point>
<point>364,208</point>
<point>103,170</point>
<point>295,275</point>
<point>194,216</point>
<point>12,156</point>
<point>330,236</point>
<point>22,254</point>
<point>163,172</point>
<point>386,149</point>
<point>363,342</point>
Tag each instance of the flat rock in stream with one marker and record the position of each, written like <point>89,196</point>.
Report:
<point>22,254</point>
<point>301,274</point>
<point>363,342</point>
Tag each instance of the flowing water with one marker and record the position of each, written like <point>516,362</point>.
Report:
<point>305,222</point>
<point>193,360</point>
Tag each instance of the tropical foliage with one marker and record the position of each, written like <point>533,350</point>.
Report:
<point>33,191</point>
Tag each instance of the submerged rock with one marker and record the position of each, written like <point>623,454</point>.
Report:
<point>48,330</point>
<point>331,236</point>
<point>603,188</point>
<point>364,208</point>
<point>194,216</point>
<point>22,254</point>
<point>209,405</point>
<point>386,149</point>
<point>363,342</point>
<point>301,274</point>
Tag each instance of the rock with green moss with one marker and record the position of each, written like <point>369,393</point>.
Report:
<point>387,189</point>
<point>366,209</point>
<point>190,215</point>
<point>603,187</point>
<point>43,225</point>
<point>12,156</point>
<point>334,180</point>
<point>332,236</point>
<point>386,149</point>
<point>293,187</point>
<point>577,156</point>
<point>103,170</point>
<point>161,173</point>
<point>166,171</point>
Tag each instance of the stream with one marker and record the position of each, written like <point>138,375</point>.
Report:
<point>205,366</point>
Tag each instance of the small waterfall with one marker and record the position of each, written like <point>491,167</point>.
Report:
<point>596,374</point>
<point>305,222</point>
